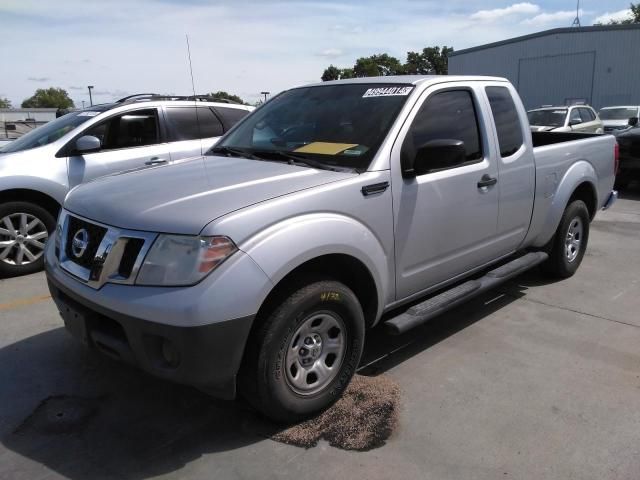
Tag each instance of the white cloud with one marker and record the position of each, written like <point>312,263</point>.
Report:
<point>618,16</point>
<point>501,13</point>
<point>331,53</point>
<point>551,18</point>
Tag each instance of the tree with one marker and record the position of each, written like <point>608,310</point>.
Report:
<point>227,96</point>
<point>5,103</point>
<point>634,18</point>
<point>431,61</point>
<point>49,98</point>
<point>378,66</point>
<point>335,73</point>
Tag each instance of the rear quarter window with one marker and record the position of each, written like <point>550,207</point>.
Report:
<point>505,116</point>
<point>230,116</point>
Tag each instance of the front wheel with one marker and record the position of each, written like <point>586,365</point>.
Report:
<point>304,354</point>
<point>24,229</point>
<point>569,243</point>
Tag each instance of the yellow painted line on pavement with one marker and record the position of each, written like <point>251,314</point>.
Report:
<point>24,302</point>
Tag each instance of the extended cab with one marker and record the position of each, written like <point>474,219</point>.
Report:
<point>328,210</point>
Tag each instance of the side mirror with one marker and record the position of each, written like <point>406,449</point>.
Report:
<point>573,123</point>
<point>87,144</point>
<point>433,156</point>
<point>633,121</point>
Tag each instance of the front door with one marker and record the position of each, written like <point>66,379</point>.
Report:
<point>445,219</point>
<point>128,140</point>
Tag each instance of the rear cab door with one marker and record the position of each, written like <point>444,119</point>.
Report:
<point>191,130</point>
<point>129,140</point>
<point>445,219</point>
<point>516,164</point>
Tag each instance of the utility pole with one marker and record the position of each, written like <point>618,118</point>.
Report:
<point>576,21</point>
<point>90,98</point>
<point>265,95</point>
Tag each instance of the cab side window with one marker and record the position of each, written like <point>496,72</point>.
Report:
<point>138,128</point>
<point>449,115</point>
<point>505,116</point>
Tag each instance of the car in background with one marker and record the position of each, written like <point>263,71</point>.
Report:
<point>617,118</point>
<point>575,118</point>
<point>629,147</point>
<point>140,131</point>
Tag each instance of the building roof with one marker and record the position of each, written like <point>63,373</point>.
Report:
<point>545,33</point>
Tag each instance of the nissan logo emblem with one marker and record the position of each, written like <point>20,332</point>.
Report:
<point>79,243</point>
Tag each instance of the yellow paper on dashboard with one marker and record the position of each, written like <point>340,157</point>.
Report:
<point>325,148</point>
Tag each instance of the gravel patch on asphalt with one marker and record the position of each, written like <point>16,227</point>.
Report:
<point>363,419</point>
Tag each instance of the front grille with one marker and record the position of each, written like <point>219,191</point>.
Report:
<point>95,235</point>
<point>129,256</point>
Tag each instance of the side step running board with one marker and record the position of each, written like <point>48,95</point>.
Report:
<point>434,306</point>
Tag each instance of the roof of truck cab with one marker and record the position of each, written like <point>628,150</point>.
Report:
<point>410,80</point>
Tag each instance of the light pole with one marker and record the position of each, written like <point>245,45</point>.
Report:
<point>265,95</point>
<point>83,104</point>
<point>90,99</point>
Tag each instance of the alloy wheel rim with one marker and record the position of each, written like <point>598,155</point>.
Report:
<point>22,239</point>
<point>573,241</point>
<point>315,353</point>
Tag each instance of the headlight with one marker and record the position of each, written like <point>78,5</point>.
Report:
<point>177,260</point>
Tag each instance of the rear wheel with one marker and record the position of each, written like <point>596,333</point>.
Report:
<point>569,243</point>
<point>24,229</point>
<point>304,354</point>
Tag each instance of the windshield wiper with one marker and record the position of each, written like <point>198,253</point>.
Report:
<point>298,159</point>
<point>238,152</point>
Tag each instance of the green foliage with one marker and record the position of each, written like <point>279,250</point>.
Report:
<point>227,96</point>
<point>49,98</point>
<point>335,73</point>
<point>432,60</point>
<point>5,103</point>
<point>633,19</point>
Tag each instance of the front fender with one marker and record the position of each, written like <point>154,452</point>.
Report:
<point>579,173</point>
<point>51,188</point>
<point>287,245</point>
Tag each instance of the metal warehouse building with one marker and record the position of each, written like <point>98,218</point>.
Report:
<point>599,65</point>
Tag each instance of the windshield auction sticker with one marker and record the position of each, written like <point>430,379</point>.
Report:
<point>387,92</point>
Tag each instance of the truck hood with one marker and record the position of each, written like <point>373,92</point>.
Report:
<point>182,198</point>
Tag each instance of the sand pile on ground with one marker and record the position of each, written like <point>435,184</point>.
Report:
<point>362,419</point>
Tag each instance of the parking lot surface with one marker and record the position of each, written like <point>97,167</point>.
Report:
<point>537,380</point>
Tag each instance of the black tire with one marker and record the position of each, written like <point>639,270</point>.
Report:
<point>264,381</point>
<point>8,269</point>
<point>559,264</point>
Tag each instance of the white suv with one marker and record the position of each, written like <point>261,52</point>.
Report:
<point>139,131</point>
<point>575,118</point>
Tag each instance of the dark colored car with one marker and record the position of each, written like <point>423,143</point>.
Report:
<point>629,142</point>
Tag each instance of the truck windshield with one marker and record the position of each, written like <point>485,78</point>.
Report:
<point>333,125</point>
<point>618,113</point>
<point>49,132</point>
<point>547,118</point>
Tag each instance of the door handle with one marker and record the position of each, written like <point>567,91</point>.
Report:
<point>155,161</point>
<point>487,181</point>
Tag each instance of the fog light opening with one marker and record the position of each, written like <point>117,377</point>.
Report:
<point>170,353</point>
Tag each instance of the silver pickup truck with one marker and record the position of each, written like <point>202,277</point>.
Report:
<point>332,208</point>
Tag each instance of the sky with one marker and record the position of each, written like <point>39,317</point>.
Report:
<point>244,47</point>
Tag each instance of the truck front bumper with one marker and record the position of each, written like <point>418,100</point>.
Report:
<point>182,335</point>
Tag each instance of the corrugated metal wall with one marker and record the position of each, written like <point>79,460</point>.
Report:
<point>600,66</point>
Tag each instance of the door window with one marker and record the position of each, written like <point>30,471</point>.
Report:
<point>587,115</point>
<point>505,116</point>
<point>185,123</point>
<point>137,128</point>
<point>449,115</point>
<point>575,118</point>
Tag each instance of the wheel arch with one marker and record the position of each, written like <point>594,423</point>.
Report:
<point>32,196</point>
